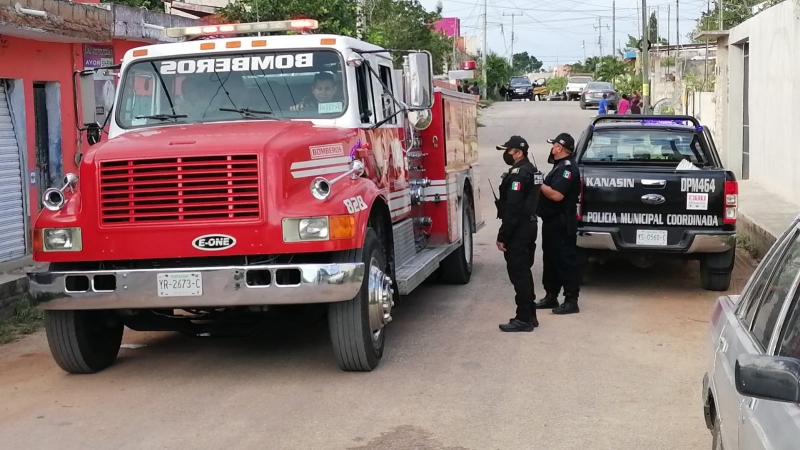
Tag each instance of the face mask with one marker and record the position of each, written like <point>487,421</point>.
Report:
<point>508,159</point>
<point>551,159</point>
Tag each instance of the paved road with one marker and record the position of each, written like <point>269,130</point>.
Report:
<point>623,374</point>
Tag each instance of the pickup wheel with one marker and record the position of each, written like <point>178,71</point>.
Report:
<point>83,342</point>
<point>357,326</point>
<point>457,266</point>
<point>716,270</point>
<point>714,281</point>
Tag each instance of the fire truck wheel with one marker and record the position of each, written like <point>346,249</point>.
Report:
<point>83,341</point>
<point>357,326</point>
<point>457,267</point>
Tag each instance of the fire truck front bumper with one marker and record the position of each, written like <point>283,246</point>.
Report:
<point>197,287</point>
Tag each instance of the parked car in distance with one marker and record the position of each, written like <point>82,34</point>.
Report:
<point>519,88</point>
<point>576,85</point>
<point>751,389</point>
<point>593,93</point>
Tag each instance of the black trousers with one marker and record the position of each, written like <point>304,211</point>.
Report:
<point>559,252</point>
<point>519,261</point>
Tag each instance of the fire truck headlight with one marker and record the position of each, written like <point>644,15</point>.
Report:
<point>62,239</point>
<point>306,229</point>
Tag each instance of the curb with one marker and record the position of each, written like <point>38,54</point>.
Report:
<point>760,236</point>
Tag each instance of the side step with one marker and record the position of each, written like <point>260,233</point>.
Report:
<point>414,271</point>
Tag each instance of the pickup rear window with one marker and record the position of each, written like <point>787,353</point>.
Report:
<point>657,146</point>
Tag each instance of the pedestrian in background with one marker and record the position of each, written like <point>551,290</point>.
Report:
<point>503,91</point>
<point>624,105</point>
<point>603,107</point>
<point>636,103</point>
<point>458,86</point>
<point>558,209</point>
<point>519,196</point>
<point>475,90</point>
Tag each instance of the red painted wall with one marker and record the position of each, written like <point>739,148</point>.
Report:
<point>34,61</point>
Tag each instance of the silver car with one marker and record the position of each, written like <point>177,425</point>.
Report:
<point>751,391</point>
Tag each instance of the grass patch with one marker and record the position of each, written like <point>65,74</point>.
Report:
<point>486,103</point>
<point>24,319</point>
<point>744,242</point>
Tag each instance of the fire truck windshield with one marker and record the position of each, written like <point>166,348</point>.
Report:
<point>301,84</point>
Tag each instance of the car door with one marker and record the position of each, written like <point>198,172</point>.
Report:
<point>736,338</point>
<point>767,424</point>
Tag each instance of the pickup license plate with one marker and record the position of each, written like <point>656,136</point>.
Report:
<point>651,237</point>
<point>180,284</point>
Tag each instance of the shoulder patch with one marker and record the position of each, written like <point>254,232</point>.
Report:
<point>567,174</point>
<point>515,170</point>
<point>567,163</point>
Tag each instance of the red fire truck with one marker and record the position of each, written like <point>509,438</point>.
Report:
<point>246,170</point>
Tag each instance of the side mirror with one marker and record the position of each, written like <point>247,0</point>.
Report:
<point>768,377</point>
<point>420,119</point>
<point>419,81</point>
<point>87,98</point>
<point>93,133</point>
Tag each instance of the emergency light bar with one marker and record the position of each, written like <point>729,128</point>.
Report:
<point>244,28</point>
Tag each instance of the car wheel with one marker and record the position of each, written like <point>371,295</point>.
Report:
<point>716,436</point>
<point>583,104</point>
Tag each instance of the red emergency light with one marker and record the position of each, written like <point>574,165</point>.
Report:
<point>468,65</point>
<point>244,28</point>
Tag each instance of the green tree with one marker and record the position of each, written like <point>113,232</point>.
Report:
<point>734,12</point>
<point>392,24</point>
<point>498,72</point>
<point>523,63</point>
<point>556,84</point>
<point>652,28</point>
<point>609,68</point>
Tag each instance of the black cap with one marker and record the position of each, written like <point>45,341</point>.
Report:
<point>565,140</point>
<point>516,142</point>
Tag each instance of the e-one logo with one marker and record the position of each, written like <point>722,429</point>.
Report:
<point>214,242</point>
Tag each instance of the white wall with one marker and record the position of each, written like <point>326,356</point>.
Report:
<point>774,96</point>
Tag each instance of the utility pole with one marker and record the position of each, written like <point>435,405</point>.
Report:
<point>483,52</point>
<point>599,27</point>
<point>668,28</point>
<point>360,19</point>
<point>512,34</point>
<point>677,23</point>
<point>614,27</point>
<point>583,44</point>
<point>645,61</point>
<point>721,22</point>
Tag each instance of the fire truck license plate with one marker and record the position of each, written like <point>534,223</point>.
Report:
<point>189,284</point>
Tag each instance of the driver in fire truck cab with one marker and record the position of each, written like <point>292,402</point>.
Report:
<point>266,85</point>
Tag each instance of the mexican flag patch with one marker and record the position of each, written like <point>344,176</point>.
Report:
<point>567,174</point>
<point>516,185</point>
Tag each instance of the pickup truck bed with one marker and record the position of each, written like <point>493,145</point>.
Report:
<point>653,187</point>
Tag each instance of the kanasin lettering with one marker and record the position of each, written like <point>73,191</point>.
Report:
<point>610,182</point>
<point>238,64</point>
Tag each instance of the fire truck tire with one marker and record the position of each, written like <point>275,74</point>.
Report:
<point>83,342</point>
<point>357,326</point>
<point>457,267</point>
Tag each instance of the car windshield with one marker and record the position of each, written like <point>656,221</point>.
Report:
<point>233,86</point>
<point>599,86</point>
<point>520,82</point>
<point>652,145</point>
<point>580,80</point>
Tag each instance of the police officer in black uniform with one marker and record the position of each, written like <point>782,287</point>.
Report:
<point>558,209</point>
<point>519,195</point>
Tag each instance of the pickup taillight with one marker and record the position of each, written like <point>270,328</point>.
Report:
<point>731,201</point>
<point>579,213</point>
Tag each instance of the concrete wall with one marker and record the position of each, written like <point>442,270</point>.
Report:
<point>702,105</point>
<point>774,41</point>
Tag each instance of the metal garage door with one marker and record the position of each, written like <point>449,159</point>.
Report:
<point>12,213</point>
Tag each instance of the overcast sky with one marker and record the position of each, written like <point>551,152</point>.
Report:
<point>555,31</point>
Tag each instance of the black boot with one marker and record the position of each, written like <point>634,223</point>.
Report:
<point>516,326</point>
<point>548,302</point>
<point>570,306</point>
